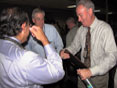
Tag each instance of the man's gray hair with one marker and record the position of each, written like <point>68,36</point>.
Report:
<point>37,10</point>
<point>70,19</point>
<point>87,3</point>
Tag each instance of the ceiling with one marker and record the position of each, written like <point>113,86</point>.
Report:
<point>56,4</point>
<point>59,4</point>
<point>107,8</point>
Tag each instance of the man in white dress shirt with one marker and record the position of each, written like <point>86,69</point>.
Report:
<point>20,68</point>
<point>103,52</point>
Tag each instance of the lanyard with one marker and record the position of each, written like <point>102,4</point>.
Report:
<point>14,41</point>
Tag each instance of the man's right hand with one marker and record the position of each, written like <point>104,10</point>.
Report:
<point>64,55</point>
<point>39,34</point>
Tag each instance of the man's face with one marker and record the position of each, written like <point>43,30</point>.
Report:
<point>39,19</point>
<point>83,15</point>
<point>69,25</point>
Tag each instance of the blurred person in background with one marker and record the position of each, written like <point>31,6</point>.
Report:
<point>73,27</point>
<point>38,16</point>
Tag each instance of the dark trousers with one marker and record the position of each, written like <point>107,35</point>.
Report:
<point>111,77</point>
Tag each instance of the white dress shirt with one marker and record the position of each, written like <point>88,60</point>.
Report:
<point>103,47</point>
<point>20,68</point>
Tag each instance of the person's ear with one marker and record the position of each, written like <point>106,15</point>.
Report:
<point>33,20</point>
<point>23,25</point>
<point>90,11</point>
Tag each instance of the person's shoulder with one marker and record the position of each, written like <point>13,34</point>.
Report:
<point>104,26</point>
<point>75,27</point>
<point>49,25</point>
<point>103,23</point>
<point>28,57</point>
<point>19,51</point>
<point>81,28</point>
<point>29,54</point>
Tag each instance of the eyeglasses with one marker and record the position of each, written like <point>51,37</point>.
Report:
<point>39,19</point>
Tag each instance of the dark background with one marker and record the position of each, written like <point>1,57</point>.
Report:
<point>57,12</point>
<point>57,9</point>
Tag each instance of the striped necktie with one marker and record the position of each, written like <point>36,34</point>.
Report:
<point>87,48</point>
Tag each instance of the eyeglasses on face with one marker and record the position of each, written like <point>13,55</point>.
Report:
<point>39,19</point>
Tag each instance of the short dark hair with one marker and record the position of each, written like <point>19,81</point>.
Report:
<point>11,20</point>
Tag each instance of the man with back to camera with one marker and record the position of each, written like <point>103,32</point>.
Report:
<point>103,50</point>
<point>20,68</point>
<point>50,31</point>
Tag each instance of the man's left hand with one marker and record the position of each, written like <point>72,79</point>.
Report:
<point>84,73</point>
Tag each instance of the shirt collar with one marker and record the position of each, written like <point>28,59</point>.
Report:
<point>15,39</point>
<point>94,24</point>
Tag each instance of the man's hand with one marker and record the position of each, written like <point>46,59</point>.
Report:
<point>64,55</point>
<point>84,73</point>
<point>39,34</point>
